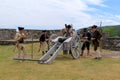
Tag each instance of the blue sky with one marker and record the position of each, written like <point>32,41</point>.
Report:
<point>53,14</point>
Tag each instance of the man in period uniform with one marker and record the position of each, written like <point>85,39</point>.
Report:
<point>19,37</point>
<point>86,36</point>
<point>96,37</point>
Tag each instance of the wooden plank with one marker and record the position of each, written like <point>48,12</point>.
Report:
<point>25,59</point>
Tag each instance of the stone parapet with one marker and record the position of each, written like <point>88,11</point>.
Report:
<point>7,34</point>
<point>112,44</point>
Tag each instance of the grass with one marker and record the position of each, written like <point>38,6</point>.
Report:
<point>63,68</point>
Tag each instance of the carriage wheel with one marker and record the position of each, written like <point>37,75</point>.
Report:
<point>75,53</point>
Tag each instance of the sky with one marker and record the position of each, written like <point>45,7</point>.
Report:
<point>53,14</point>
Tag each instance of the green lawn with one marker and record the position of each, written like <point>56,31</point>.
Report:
<point>63,68</point>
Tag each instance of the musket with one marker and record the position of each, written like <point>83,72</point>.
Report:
<point>100,41</point>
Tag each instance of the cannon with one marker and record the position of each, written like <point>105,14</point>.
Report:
<point>71,44</point>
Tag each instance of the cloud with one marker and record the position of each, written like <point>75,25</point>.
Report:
<point>96,2</point>
<point>117,16</point>
<point>110,22</point>
<point>50,12</point>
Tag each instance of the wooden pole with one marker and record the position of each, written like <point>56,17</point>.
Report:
<point>32,47</point>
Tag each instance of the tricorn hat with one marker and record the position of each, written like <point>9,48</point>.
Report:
<point>20,28</point>
<point>44,31</point>
<point>69,26</point>
<point>85,29</point>
<point>94,26</point>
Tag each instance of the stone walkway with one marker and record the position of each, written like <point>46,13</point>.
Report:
<point>111,54</point>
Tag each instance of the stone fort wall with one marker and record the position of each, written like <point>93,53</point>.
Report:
<point>35,34</point>
<point>111,43</point>
<point>9,34</point>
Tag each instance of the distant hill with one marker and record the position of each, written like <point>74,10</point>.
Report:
<point>114,31</point>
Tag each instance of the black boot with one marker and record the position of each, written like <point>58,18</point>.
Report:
<point>70,52</point>
<point>43,52</point>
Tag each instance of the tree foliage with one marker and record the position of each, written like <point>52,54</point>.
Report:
<point>114,31</point>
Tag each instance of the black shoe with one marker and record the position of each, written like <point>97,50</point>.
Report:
<point>96,58</point>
